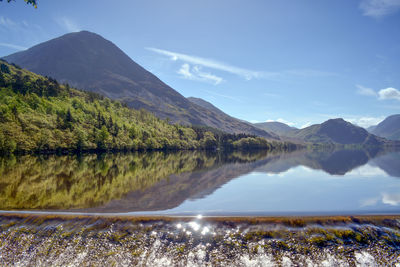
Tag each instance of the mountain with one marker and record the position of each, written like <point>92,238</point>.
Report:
<point>370,129</point>
<point>87,61</point>
<point>38,114</point>
<point>337,131</point>
<point>275,127</point>
<point>388,128</point>
<point>175,189</point>
<point>230,122</point>
<point>207,105</point>
<point>332,161</point>
<point>389,163</point>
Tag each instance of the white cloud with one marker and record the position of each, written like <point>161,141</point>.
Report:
<point>241,72</point>
<point>369,201</point>
<point>185,71</point>
<point>196,74</point>
<point>13,46</point>
<point>379,8</point>
<point>68,24</point>
<point>365,122</point>
<point>367,171</point>
<point>383,94</point>
<point>389,93</point>
<point>6,22</point>
<point>391,199</point>
<point>214,64</point>
<point>282,121</point>
<point>305,125</point>
<point>365,91</point>
<point>207,76</point>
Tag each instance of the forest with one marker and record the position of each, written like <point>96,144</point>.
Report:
<point>40,115</point>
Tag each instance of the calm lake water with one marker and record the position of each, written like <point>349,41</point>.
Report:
<point>198,183</point>
<point>191,183</point>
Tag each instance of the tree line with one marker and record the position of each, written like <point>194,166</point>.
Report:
<point>38,114</point>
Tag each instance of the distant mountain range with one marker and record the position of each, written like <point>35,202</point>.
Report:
<point>276,127</point>
<point>88,61</point>
<point>337,131</point>
<point>389,128</point>
<point>333,131</point>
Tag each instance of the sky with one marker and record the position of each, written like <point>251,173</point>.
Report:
<point>298,62</point>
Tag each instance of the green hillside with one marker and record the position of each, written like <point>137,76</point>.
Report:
<point>37,114</point>
<point>88,61</point>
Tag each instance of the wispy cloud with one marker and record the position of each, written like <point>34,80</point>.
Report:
<point>7,23</point>
<point>248,74</point>
<point>224,96</point>
<point>365,91</point>
<point>195,73</point>
<point>13,46</point>
<point>68,24</point>
<point>379,8</point>
<point>17,35</point>
<point>369,201</point>
<point>214,64</point>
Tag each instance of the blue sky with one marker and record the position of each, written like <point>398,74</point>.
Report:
<point>300,62</point>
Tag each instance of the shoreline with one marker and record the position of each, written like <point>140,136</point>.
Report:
<point>294,219</point>
<point>37,240</point>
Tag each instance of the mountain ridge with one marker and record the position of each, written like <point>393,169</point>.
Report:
<point>389,128</point>
<point>88,61</point>
<point>276,127</point>
<point>337,131</point>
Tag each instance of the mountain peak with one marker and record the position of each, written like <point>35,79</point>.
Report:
<point>336,120</point>
<point>88,61</point>
<point>337,131</point>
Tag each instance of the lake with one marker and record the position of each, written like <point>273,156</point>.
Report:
<point>82,210</point>
<point>328,182</point>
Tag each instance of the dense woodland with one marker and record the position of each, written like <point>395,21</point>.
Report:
<point>38,114</point>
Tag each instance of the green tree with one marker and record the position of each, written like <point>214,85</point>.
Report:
<point>80,139</point>
<point>209,141</point>
<point>7,146</point>
<point>101,138</point>
<point>4,68</point>
<point>2,80</point>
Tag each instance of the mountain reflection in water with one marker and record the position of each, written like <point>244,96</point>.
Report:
<point>158,181</point>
